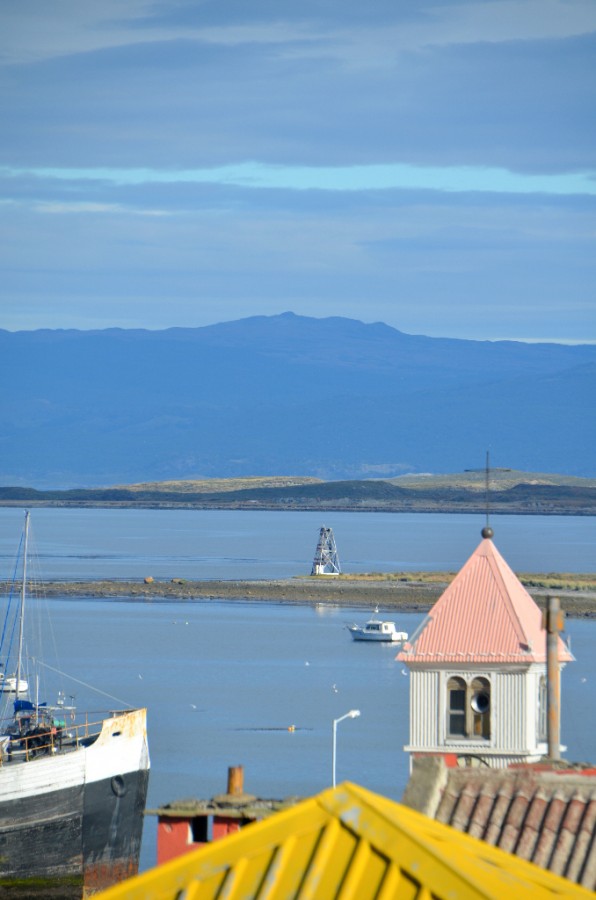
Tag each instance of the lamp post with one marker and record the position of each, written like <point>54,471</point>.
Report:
<point>349,715</point>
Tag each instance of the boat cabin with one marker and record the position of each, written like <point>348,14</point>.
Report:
<point>383,627</point>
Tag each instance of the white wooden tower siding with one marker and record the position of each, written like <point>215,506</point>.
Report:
<point>478,669</point>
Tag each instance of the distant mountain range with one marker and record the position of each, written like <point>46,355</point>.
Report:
<point>330,398</point>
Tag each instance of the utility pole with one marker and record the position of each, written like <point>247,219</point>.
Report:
<point>553,620</point>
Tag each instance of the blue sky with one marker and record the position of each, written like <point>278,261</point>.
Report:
<point>431,165</point>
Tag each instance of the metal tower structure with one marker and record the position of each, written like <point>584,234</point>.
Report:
<point>326,561</point>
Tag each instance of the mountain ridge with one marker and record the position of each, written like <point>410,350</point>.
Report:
<point>330,398</point>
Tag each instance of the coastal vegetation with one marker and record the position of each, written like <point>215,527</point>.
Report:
<point>550,582</point>
<point>500,479</point>
<point>222,485</point>
<point>510,491</point>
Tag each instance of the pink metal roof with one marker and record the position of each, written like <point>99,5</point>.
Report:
<point>484,616</point>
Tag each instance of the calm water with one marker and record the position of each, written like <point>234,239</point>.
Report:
<point>224,681</point>
<point>104,543</point>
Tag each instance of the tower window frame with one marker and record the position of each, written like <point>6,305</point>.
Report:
<point>468,708</point>
<point>456,707</point>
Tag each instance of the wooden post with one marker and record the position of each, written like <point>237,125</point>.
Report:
<point>553,620</point>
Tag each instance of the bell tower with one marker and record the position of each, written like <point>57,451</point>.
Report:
<point>477,665</point>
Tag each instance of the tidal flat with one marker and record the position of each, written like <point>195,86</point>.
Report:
<point>395,592</point>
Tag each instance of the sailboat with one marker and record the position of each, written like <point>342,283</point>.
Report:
<point>72,785</point>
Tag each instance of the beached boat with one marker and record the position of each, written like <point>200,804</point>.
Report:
<point>72,786</point>
<point>377,630</point>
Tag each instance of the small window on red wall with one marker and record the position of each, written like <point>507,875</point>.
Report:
<point>201,829</point>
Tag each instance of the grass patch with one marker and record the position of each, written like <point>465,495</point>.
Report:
<point>220,485</point>
<point>559,581</point>
<point>499,480</point>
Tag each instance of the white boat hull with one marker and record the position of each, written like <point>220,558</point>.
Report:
<point>8,684</point>
<point>358,634</point>
<point>377,630</point>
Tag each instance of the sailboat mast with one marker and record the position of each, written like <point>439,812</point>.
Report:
<point>22,611</point>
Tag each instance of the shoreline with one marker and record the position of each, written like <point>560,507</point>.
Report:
<point>389,594</point>
<point>413,505</point>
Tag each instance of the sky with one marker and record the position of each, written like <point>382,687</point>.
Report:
<point>427,164</point>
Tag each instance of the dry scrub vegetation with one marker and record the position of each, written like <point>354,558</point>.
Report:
<point>551,581</point>
<point>499,480</point>
<point>220,485</point>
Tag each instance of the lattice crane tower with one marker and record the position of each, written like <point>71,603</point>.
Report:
<point>326,561</point>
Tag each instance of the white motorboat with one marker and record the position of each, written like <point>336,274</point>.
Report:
<point>377,630</point>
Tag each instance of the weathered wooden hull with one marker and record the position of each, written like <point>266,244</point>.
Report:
<point>71,824</point>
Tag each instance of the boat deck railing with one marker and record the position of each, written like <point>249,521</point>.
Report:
<point>44,738</point>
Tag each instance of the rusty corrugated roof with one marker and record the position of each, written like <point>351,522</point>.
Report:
<point>347,842</point>
<point>545,816</point>
<point>485,615</point>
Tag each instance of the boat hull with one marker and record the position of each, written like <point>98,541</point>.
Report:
<point>377,630</point>
<point>359,634</point>
<point>71,824</point>
<point>8,685</point>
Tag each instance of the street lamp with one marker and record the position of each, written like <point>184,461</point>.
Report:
<point>349,715</point>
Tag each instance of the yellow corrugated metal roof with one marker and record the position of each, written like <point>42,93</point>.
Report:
<point>347,842</point>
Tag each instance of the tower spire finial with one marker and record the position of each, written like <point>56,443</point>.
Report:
<point>487,531</point>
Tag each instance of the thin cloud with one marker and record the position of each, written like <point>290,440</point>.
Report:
<point>69,208</point>
<point>500,21</point>
<point>65,208</point>
<point>448,179</point>
<point>183,161</point>
<point>35,32</point>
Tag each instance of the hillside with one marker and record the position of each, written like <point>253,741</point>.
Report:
<point>499,480</point>
<point>217,485</point>
<point>333,399</point>
<point>522,493</point>
<point>470,480</point>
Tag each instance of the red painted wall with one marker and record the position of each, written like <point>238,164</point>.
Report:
<point>174,835</point>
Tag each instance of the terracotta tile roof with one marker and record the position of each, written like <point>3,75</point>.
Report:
<point>546,816</point>
<point>485,615</point>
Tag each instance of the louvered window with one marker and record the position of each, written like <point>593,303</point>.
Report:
<point>456,690</point>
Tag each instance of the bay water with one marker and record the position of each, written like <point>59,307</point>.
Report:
<point>259,684</point>
<point>132,543</point>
